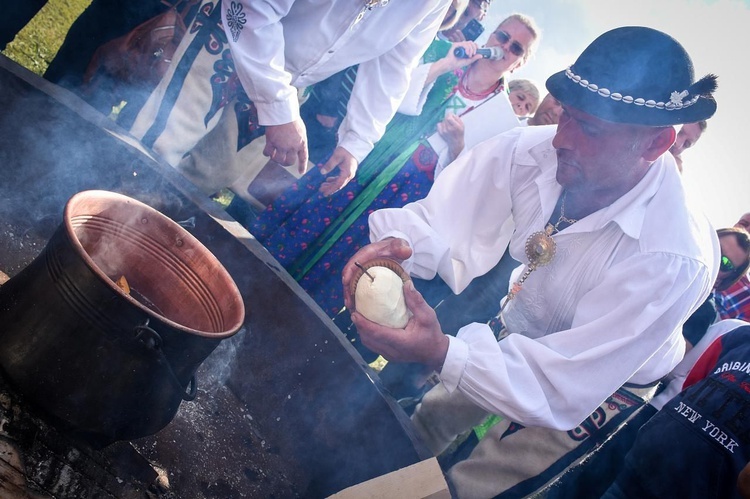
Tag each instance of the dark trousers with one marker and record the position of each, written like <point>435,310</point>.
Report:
<point>16,15</point>
<point>102,21</point>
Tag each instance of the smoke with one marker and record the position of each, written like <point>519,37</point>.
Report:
<point>217,367</point>
<point>50,153</point>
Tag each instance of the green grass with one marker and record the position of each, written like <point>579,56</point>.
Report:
<point>37,43</point>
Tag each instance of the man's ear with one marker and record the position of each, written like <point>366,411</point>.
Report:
<point>660,143</point>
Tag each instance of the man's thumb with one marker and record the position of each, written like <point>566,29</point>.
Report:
<point>400,248</point>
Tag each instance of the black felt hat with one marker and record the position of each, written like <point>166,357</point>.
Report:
<point>635,75</point>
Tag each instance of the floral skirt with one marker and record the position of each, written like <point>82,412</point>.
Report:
<point>294,222</point>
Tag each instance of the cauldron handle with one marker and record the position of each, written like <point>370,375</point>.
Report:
<point>152,340</point>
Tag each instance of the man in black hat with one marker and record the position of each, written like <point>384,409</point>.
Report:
<point>614,260</point>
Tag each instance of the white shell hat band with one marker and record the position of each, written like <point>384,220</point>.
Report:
<point>676,99</point>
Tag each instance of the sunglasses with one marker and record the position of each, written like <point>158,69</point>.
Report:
<point>515,47</point>
<point>726,264</point>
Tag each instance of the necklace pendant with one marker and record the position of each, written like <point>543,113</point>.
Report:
<point>540,248</point>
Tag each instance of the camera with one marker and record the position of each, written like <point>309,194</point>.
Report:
<point>472,30</point>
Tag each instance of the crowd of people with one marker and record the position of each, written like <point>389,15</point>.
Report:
<point>312,231</point>
<point>581,342</point>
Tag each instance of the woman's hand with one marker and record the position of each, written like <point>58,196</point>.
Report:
<point>347,165</point>
<point>451,129</point>
<point>457,62</point>
<point>450,62</point>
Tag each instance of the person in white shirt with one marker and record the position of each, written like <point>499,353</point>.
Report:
<point>593,318</point>
<point>276,48</point>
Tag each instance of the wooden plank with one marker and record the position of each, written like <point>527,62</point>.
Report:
<point>422,480</point>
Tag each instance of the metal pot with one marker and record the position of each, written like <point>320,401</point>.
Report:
<point>108,362</point>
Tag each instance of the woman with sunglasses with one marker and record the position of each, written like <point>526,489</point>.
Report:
<point>731,295</point>
<point>472,80</point>
<point>313,231</point>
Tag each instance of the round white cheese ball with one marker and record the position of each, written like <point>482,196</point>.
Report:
<point>381,299</point>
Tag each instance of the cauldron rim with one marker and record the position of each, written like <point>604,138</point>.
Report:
<point>221,271</point>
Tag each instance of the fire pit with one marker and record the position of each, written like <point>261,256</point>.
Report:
<point>284,408</point>
<point>125,290</point>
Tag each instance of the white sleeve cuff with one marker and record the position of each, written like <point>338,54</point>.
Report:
<point>278,112</point>
<point>416,94</point>
<point>455,363</point>
<point>355,146</point>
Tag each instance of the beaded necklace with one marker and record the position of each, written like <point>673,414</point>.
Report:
<point>463,87</point>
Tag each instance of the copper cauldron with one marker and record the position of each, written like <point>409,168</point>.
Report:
<point>114,361</point>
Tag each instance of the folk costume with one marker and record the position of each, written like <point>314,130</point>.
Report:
<point>594,320</point>
<point>253,58</point>
<point>313,236</point>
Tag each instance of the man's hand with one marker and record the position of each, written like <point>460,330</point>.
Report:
<point>287,143</point>
<point>393,248</point>
<point>421,341</point>
<point>347,165</point>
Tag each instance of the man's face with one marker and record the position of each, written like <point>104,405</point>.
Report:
<point>548,112</point>
<point>598,157</point>
<point>686,138</point>
<point>744,222</point>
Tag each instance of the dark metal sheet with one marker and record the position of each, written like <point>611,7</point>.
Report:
<point>288,402</point>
